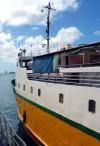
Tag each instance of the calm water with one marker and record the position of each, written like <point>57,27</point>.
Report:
<point>9,108</point>
<point>7,100</point>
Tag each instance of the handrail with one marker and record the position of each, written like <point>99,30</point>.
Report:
<point>80,65</point>
<point>8,132</point>
<point>87,79</point>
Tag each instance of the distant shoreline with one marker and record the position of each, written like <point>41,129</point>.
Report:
<point>7,73</point>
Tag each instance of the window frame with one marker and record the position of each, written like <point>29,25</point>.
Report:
<point>24,87</point>
<point>61,98</point>
<point>19,85</point>
<point>92,106</point>
<point>39,92</point>
<point>31,90</point>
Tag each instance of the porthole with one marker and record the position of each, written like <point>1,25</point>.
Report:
<point>18,85</point>
<point>92,106</point>
<point>24,87</point>
<point>61,98</point>
<point>31,90</point>
<point>39,92</point>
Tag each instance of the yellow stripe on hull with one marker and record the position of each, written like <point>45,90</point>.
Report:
<point>51,130</point>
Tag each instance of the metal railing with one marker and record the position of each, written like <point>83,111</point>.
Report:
<point>81,65</point>
<point>79,79</point>
<point>8,132</point>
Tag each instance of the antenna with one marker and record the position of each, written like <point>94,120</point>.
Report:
<point>49,8</point>
<point>31,49</point>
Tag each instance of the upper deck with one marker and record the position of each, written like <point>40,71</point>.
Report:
<point>81,56</point>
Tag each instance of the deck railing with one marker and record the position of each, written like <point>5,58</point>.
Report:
<point>80,79</point>
<point>81,65</point>
<point>8,132</point>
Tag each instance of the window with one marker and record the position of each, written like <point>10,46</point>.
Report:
<point>61,98</point>
<point>31,89</point>
<point>18,85</point>
<point>92,106</point>
<point>39,92</point>
<point>66,60</point>
<point>24,87</point>
<point>59,61</point>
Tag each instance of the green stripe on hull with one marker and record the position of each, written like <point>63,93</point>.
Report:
<point>64,119</point>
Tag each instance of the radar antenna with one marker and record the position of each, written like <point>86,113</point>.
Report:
<point>49,8</point>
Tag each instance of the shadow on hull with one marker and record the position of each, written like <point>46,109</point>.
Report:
<point>22,132</point>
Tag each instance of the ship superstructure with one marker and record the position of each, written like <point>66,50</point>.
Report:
<point>58,96</point>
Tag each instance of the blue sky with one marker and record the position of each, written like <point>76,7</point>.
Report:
<point>74,22</point>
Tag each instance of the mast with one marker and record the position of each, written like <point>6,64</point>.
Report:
<point>49,8</point>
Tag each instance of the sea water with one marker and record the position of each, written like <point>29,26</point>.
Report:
<point>7,100</point>
<point>9,108</point>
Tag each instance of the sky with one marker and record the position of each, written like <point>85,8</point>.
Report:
<point>23,26</point>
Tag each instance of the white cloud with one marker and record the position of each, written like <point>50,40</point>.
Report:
<point>4,37</point>
<point>64,36</point>
<point>1,28</point>
<point>20,38</point>
<point>9,50</point>
<point>66,4</point>
<point>69,35</point>
<point>29,12</point>
<point>97,32</point>
<point>33,43</point>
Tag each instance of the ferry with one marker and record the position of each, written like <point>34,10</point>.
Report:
<point>57,95</point>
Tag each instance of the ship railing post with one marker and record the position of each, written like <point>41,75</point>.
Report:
<point>47,76</point>
<point>16,143</point>
<point>5,127</point>
<point>12,137</point>
<point>55,78</point>
<point>9,134</point>
<point>62,77</point>
<point>6,132</point>
<point>1,125</point>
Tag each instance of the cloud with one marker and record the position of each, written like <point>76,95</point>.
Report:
<point>64,36</point>
<point>9,49</point>
<point>33,43</point>
<point>21,12</point>
<point>66,5</point>
<point>97,32</point>
<point>69,35</point>
<point>1,28</point>
<point>4,37</point>
<point>20,38</point>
